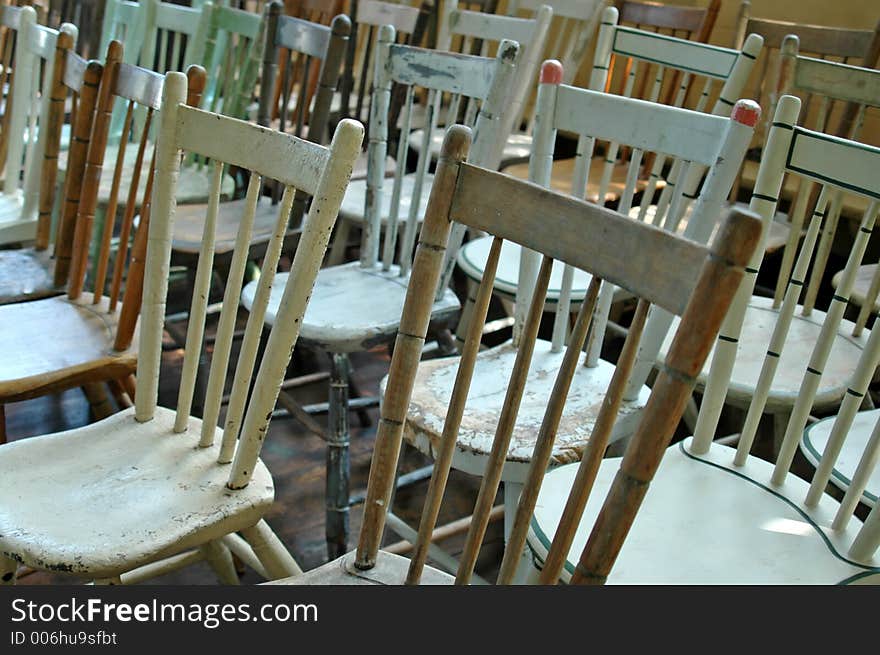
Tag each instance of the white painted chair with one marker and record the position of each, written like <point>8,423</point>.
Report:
<point>303,43</point>
<point>750,520</point>
<point>744,339</point>
<point>691,140</point>
<point>653,58</point>
<point>25,141</point>
<point>357,306</point>
<point>564,228</point>
<point>467,32</point>
<point>151,489</point>
<point>41,270</point>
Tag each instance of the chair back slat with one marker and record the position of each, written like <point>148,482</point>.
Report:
<point>453,200</point>
<point>247,355</point>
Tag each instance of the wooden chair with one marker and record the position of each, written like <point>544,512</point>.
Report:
<point>563,228</point>
<point>859,47</point>
<point>367,19</point>
<point>595,117</point>
<point>743,342</point>
<point>692,23</point>
<point>760,521</point>
<point>41,270</point>
<point>25,140</point>
<point>356,306</point>
<point>91,335</point>
<point>475,32</point>
<point>574,29</point>
<point>647,55</point>
<point>193,492</point>
<point>302,42</point>
<point>459,32</point>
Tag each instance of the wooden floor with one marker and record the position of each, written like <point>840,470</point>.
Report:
<point>296,459</point>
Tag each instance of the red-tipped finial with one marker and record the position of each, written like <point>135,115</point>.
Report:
<point>551,72</point>
<point>746,112</point>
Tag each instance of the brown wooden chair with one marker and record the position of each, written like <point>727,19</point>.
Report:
<point>151,489</point>
<point>86,339</point>
<point>41,270</point>
<point>563,228</point>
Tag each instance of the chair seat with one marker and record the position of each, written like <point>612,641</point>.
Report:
<point>193,185</point>
<point>77,345</point>
<point>355,198</point>
<point>352,308</point>
<point>563,173</point>
<point>114,495</point>
<point>815,440</point>
<point>433,388</point>
<point>704,521</point>
<point>389,570</point>
<point>25,274</point>
<point>861,286</point>
<point>758,325</point>
<point>517,149</point>
<point>189,225</point>
<point>472,261</point>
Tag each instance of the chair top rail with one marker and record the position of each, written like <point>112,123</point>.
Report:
<point>74,71</point>
<point>820,39</point>
<point>493,27</point>
<point>291,160</point>
<point>846,164</point>
<point>838,81</point>
<point>701,58</point>
<point>662,16</point>
<point>590,237</point>
<point>237,21</point>
<point>303,36</point>
<point>683,133</point>
<point>469,75</point>
<point>140,85</point>
<point>402,17</point>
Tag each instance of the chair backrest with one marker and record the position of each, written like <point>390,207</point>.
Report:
<point>310,57</point>
<point>859,47</point>
<point>830,89</point>
<point>476,86</point>
<point>294,46</point>
<point>564,228</point>
<point>839,166</point>
<point>117,293</point>
<point>74,81</point>
<point>300,165</point>
<point>125,21</point>
<point>175,35</point>
<point>671,64</point>
<point>367,18</point>
<point>573,28</point>
<point>31,102</point>
<point>487,30</point>
<point>231,58</point>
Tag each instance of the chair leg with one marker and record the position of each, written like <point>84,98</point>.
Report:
<point>220,558</point>
<point>99,401</point>
<point>363,414</point>
<point>279,563</point>
<point>336,495</point>
<point>8,569</point>
<point>2,423</point>
<point>128,383</point>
